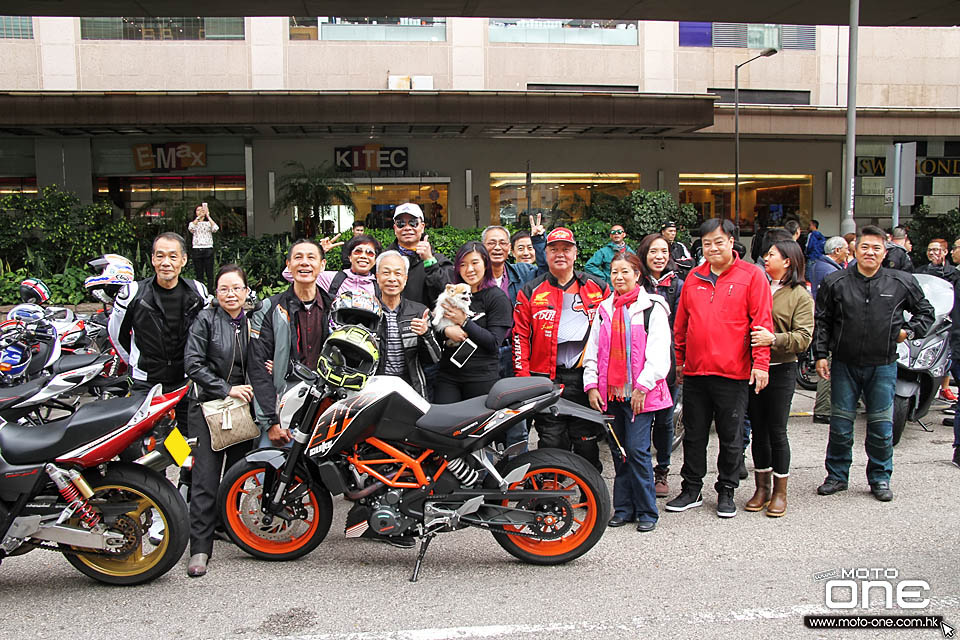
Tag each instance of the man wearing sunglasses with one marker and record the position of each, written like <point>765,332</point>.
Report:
<point>429,272</point>
<point>599,264</point>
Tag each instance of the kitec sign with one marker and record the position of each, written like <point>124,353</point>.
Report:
<point>370,157</point>
<point>169,156</point>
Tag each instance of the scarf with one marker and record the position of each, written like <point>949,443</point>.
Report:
<point>617,368</point>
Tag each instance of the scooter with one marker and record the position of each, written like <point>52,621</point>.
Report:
<point>923,361</point>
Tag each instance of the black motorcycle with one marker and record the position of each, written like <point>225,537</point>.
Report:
<point>415,470</point>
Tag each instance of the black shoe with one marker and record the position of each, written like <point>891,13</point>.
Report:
<point>881,491</point>
<point>956,457</point>
<point>821,419</point>
<point>400,542</point>
<point>645,526</point>
<point>686,500</point>
<point>617,521</point>
<point>743,467</point>
<point>948,422</point>
<point>831,486</point>
<point>725,506</point>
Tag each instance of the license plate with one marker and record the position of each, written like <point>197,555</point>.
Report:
<point>177,447</point>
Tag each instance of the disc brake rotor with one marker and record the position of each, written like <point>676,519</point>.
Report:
<point>130,530</point>
<point>279,530</point>
<point>554,517</point>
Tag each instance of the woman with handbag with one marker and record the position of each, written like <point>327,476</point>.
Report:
<point>220,418</point>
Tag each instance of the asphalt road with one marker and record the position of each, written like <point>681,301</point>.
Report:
<point>695,576</point>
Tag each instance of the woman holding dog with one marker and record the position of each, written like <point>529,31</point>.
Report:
<point>463,374</point>
<point>625,363</point>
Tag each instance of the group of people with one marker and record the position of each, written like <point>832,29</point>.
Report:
<point>621,337</point>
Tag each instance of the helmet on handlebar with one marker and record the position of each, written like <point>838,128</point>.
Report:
<point>15,355</point>
<point>355,308</point>
<point>34,291</point>
<point>28,312</point>
<point>115,272</point>
<point>349,356</point>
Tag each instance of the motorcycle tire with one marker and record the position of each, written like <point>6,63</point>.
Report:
<point>901,408</point>
<point>678,426</point>
<point>239,506</point>
<point>558,468</point>
<point>807,374</point>
<point>143,558</point>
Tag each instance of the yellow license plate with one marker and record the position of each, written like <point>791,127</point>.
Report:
<point>177,447</point>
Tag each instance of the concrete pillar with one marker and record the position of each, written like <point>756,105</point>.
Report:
<point>267,38</point>
<point>468,46</point>
<point>57,40</point>
<point>659,42</point>
<point>67,162</point>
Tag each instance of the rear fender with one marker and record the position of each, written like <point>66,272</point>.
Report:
<point>568,409</point>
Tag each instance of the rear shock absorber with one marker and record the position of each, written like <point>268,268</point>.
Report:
<point>463,472</point>
<point>75,491</point>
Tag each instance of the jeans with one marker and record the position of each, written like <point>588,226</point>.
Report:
<point>517,432</point>
<point>769,411</point>
<point>955,372</point>
<point>447,391</point>
<point>634,497</point>
<point>822,405</point>
<point>706,400</point>
<point>663,432</point>
<point>877,386</point>
<point>570,434</point>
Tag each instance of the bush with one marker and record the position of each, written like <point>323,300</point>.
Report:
<point>924,227</point>
<point>644,212</point>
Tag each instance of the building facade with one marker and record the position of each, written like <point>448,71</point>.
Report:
<point>473,168</point>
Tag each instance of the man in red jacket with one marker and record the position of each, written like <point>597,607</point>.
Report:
<point>551,322</point>
<point>721,301</point>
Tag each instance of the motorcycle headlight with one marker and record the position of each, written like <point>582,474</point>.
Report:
<point>928,356</point>
<point>903,354</point>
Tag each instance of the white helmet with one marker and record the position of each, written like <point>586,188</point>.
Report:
<point>115,272</point>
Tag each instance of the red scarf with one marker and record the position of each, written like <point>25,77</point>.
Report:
<point>617,366</point>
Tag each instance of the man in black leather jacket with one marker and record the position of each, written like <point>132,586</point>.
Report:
<point>859,319</point>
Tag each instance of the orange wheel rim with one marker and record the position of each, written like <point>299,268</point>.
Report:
<point>584,513</point>
<point>277,538</point>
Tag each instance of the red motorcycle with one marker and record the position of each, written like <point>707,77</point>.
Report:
<point>61,489</point>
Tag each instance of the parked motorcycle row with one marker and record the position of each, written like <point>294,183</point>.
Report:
<point>87,478</point>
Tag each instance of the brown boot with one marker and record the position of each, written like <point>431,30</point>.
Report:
<point>778,501</point>
<point>762,495</point>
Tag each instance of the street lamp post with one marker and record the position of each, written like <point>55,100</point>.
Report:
<point>766,53</point>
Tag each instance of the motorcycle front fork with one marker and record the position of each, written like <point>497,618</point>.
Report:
<point>274,504</point>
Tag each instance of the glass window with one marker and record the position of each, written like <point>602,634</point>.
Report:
<point>376,201</point>
<point>377,29</point>
<point>696,34</point>
<point>561,198</point>
<point>10,186</point>
<point>603,32</point>
<point>763,36</point>
<point>20,27</point>
<point>763,197</point>
<point>186,28</point>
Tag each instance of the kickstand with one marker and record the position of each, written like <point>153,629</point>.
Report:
<point>925,428</point>
<point>424,543</point>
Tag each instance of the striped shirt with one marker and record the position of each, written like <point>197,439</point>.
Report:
<point>396,364</point>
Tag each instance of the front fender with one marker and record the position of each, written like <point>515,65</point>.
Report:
<point>273,456</point>
<point>907,388</point>
<point>326,473</point>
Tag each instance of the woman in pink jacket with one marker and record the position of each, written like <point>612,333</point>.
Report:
<point>625,364</point>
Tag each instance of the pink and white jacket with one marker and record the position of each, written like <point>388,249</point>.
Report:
<point>649,351</point>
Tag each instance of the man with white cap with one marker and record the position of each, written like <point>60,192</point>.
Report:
<point>429,272</point>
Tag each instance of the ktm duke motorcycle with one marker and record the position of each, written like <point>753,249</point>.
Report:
<point>60,489</point>
<point>418,469</point>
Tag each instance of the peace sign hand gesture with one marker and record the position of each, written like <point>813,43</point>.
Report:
<point>536,228</point>
<point>328,243</point>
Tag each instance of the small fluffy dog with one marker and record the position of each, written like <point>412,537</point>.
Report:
<point>457,295</point>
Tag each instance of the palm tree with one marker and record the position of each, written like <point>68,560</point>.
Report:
<point>314,191</point>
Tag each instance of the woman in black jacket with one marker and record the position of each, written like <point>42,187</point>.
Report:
<point>214,358</point>
<point>492,318</point>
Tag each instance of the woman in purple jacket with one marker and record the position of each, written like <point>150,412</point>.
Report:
<point>625,364</point>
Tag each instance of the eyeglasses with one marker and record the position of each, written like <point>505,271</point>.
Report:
<point>497,243</point>
<point>936,249</point>
<point>616,232</point>
<point>412,222</point>
<point>234,290</point>
<point>364,251</point>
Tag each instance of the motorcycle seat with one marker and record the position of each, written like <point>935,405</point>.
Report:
<point>22,444</point>
<point>509,391</point>
<point>74,361</point>
<point>452,420</point>
<point>10,396</point>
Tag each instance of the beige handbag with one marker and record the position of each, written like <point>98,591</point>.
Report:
<point>229,420</point>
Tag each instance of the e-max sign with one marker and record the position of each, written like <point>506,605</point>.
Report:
<point>370,157</point>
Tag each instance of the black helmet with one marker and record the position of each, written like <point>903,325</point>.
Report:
<point>355,308</point>
<point>349,356</point>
